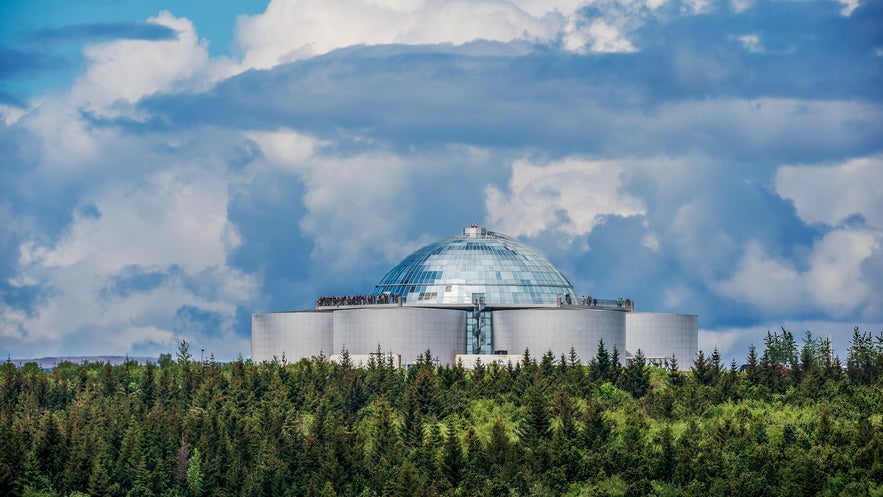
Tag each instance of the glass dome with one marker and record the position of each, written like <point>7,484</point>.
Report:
<point>453,270</point>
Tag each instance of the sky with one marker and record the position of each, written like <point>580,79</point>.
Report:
<point>169,168</point>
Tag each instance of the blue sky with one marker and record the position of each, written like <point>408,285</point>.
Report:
<point>168,169</point>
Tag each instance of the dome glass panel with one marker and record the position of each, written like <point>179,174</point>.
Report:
<point>450,271</point>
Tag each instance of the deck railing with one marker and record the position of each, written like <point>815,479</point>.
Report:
<point>386,299</point>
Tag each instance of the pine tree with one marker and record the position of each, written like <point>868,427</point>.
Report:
<point>597,431</point>
<point>752,368</point>
<point>863,361</point>
<point>426,456</point>
<point>476,459</point>
<point>716,369</point>
<point>536,423</point>
<point>408,482</point>
<point>148,386</point>
<point>423,393</point>
<point>728,381</point>
<point>32,480</point>
<point>100,482</point>
<point>499,447</point>
<point>666,461</point>
<point>452,456</point>
<point>547,364</point>
<point>615,367</point>
<point>675,378</point>
<point>412,423</point>
<point>635,377</point>
<point>702,370</point>
<point>52,450</point>
<point>600,365</point>
<point>573,359</point>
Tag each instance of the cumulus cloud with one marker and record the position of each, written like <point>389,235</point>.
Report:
<point>118,74</point>
<point>140,223</point>
<point>161,197</point>
<point>141,250</point>
<point>829,281</point>
<point>767,284</point>
<point>289,31</point>
<point>356,204</point>
<point>831,194</point>
<point>571,196</point>
<point>116,230</point>
<point>834,274</point>
<point>129,69</point>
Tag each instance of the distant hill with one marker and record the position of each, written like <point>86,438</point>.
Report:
<point>51,362</point>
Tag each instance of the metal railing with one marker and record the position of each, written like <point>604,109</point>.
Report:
<point>593,303</point>
<point>350,300</point>
<point>386,299</point>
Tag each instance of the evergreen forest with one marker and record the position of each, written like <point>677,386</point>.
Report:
<point>795,420</point>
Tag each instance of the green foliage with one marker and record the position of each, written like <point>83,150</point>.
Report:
<point>792,423</point>
<point>781,349</point>
<point>865,360</point>
<point>635,377</point>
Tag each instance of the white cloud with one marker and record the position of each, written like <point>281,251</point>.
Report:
<point>739,6</point>
<point>165,219</point>
<point>292,30</point>
<point>650,241</point>
<point>285,148</point>
<point>768,284</point>
<point>848,7</point>
<point>131,336</point>
<point>750,42</point>
<point>598,35</point>
<point>126,70</point>
<point>835,275</point>
<point>168,220</point>
<point>118,74</point>
<point>831,282</point>
<point>694,233</point>
<point>289,31</point>
<point>727,342</point>
<point>163,201</point>
<point>150,202</point>
<point>9,114</point>
<point>831,194</point>
<point>676,297</point>
<point>571,196</point>
<point>350,199</point>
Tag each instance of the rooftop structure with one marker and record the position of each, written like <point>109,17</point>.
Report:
<point>478,293</point>
<point>452,270</point>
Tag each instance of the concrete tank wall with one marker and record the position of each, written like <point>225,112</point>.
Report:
<point>660,335</point>
<point>559,329</point>
<point>403,330</point>
<point>297,335</point>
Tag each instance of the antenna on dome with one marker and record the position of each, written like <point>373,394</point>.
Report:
<point>473,231</point>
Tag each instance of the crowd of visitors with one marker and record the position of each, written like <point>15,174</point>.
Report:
<point>384,298</point>
<point>627,304</point>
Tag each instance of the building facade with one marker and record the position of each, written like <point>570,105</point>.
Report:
<point>476,294</point>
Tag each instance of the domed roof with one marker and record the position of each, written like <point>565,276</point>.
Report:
<point>450,271</point>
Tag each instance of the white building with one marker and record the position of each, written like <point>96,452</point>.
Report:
<point>479,293</point>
